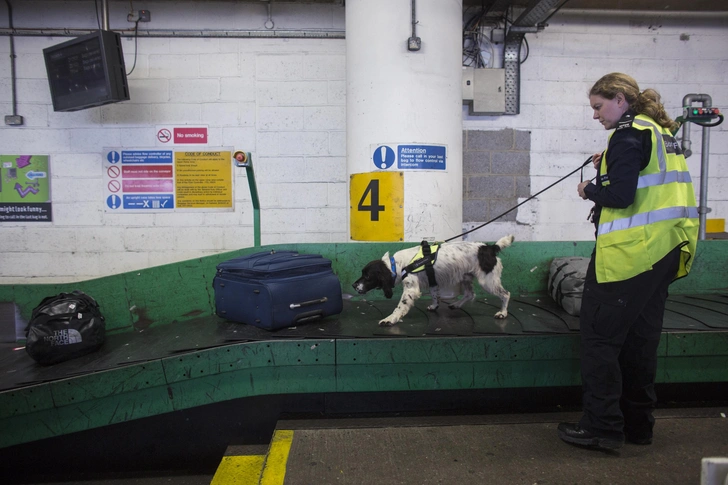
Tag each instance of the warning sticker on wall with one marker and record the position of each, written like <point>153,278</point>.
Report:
<point>167,181</point>
<point>407,156</point>
<point>203,180</point>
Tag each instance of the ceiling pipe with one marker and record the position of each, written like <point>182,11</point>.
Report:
<point>600,12</point>
<point>170,33</point>
<point>13,119</point>
<point>104,14</point>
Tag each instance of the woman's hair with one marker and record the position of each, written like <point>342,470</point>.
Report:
<point>646,102</point>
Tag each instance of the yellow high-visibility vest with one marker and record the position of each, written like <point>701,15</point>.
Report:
<point>664,214</point>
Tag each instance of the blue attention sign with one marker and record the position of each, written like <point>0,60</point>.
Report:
<point>113,201</point>
<point>422,157</point>
<point>383,157</point>
<point>113,157</point>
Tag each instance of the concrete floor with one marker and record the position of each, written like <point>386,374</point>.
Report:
<point>503,449</point>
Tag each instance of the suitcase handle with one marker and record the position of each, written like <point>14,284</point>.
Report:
<point>303,317</point>
<point>308,303</point>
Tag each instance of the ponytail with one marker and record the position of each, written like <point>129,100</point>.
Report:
<point>648,103</point>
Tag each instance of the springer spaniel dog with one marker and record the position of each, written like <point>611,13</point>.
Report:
<point>455,268</point>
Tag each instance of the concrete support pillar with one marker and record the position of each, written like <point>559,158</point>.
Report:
<point>404,115</point>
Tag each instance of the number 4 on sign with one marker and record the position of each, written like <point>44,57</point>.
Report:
<point>373,208</point>
<point>377,201</point>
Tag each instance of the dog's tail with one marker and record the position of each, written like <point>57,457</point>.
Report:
<point>505,241</point>
<point>487,254</point>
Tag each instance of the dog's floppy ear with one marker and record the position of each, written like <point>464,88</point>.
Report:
<point>387,285</point>
<point>387,281</point>
<point>382,275</point>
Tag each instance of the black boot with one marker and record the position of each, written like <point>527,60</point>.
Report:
<point>572,433</point>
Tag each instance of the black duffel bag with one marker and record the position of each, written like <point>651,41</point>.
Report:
<point>63,327</point>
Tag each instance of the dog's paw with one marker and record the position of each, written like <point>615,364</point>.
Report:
<point>500,315</point>
<point>387,323</point>
<point>432,308</point>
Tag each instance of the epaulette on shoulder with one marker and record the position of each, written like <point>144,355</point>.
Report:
<point>625,122</point>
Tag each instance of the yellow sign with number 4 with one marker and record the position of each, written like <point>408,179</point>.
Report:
<point>377,206</point>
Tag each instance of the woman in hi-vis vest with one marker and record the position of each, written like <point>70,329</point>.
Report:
<point>646,221</point>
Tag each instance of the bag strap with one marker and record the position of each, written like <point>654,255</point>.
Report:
<point>559,292</point>
<point>553,277</point>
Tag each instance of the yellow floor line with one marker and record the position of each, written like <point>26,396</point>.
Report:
<point>274,471</point>
<point>239,470</point>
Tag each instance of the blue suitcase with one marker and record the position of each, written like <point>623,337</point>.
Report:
<point>276,289</point>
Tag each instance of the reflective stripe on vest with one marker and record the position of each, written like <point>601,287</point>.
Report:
<point>661,178</point>
<point>651,217</point>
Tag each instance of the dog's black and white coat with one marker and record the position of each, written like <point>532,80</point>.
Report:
<point>457,265</point>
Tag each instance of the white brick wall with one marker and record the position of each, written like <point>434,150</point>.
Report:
<point>284,101</point>
<point>566,59</point>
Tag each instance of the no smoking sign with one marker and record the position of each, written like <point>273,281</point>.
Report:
<point>164,135</point>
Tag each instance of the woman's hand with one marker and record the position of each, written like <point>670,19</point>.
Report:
<point>596,160</point>
<point>580,189</point>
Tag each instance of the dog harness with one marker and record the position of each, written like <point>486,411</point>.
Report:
<point>424,259</point>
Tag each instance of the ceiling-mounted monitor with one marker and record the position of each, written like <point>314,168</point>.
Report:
<point>87,71</point>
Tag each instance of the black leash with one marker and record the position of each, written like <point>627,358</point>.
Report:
<point>587,162</point>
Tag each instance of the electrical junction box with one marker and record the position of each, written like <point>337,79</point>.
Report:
<point>498,36</point>
<point>484,91</point>
<point>13,120</point>
<point>414,43</point>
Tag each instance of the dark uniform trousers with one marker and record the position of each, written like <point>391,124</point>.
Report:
<point>620,326</point>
